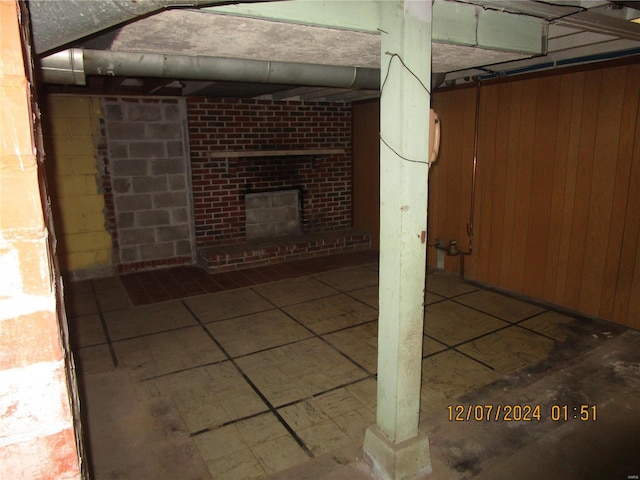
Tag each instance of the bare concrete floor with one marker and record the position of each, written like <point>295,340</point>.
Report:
<point>278,381</point>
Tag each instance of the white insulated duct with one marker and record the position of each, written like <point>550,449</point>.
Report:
<point>70,67</point>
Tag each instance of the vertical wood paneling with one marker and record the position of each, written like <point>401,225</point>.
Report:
<point>573,143</point>
<point>450,178</point>
<point>583,189</point>
<point>512,130</point>
<point>630,137</point>
<point>560,167</point>
<point>499,186</point>
<point>544,144</point>
<point>628,114</point>
<point>366,169</point>
<point>603,186</point>
<point>558,196</point>
<point>485,176</point>
<point>632,316</point>
<point>524,172</point>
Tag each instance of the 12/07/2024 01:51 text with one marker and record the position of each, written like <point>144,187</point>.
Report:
<point>520,413</point>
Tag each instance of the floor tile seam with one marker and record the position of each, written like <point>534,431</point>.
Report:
<point>337,293</point>
<point>533,331</point>
<point>315,277</point>
<point>150,334</point>
<point>447,297</point>
<point>275,347</point>
<point>349,294</point>
<point>454,300</point>
<point>484,364</point>
<point>318,336</point>
<point>473,339</point>
<point>105,328</point>
<point>255,388</point>
<point>183,370</point>
<point>150,302</point>
<point>238,316</point>
<point>546,307</point>
<point>510,324</point>
<point>228,423</point>
<point>347,357</point>
<point>278,307</point>
<point>286,405</point>
<point>454,349</point>
<point>443,299</point>
<point>75,346</point>
<point>342,329</point>
<point>155,302</point>
<point>445,346</point>
<point>264,297</point>
<point>119,309</point>
<point>371,376</point>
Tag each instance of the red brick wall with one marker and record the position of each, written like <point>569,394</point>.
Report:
<point>219,184</point>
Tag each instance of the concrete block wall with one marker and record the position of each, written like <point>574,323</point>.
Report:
<point>72,137</point>
<point>150,182</point>
<point>37,435</point>
<point>272,214</point>
<point>219,184</point>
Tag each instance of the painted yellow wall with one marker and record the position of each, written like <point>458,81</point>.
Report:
<point>71,128</point>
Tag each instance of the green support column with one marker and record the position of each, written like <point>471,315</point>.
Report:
<point>394,445</point>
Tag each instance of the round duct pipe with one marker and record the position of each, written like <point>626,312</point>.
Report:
<point>66,67</point>
<point>181,67</point>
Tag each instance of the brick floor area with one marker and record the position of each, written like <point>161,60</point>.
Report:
<point>179,282</point>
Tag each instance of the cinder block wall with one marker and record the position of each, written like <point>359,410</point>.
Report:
<point>72,137</point>
<point>150,180</point>
<point>219,184</point>
<point>37,437</point>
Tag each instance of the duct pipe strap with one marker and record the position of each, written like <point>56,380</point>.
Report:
<point>65,67</point>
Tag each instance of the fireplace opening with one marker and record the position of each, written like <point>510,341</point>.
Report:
<point>272,214</point>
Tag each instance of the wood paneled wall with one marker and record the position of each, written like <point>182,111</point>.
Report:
<point>557,205</point>
<point>366,169</point>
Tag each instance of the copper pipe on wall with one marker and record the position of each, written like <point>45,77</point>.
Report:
<point>473,173</point>
<point>473,181</point>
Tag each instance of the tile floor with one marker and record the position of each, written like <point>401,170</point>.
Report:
<point>240,377</point>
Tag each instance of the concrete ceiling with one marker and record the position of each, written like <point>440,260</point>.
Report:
<point>578,31</point>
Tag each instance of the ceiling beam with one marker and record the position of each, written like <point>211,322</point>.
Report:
<point>470,25</point>
<point>456,23</point>
<point>342,14</point>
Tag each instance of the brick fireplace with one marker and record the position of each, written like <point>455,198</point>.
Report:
<point>241,147</point>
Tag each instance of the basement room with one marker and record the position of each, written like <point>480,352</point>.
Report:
<point>320,239</point>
